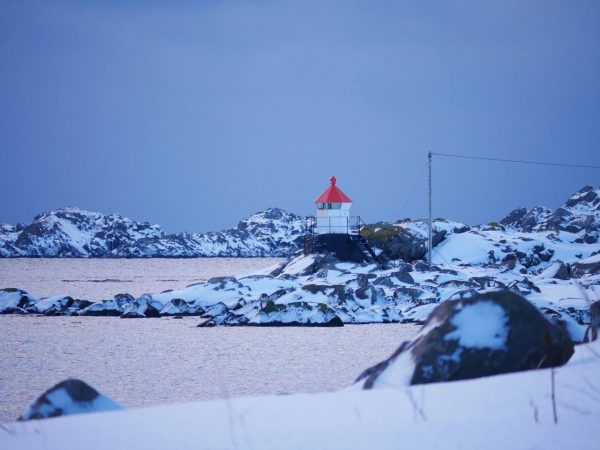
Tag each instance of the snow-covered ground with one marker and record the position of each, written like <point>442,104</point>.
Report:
<point>546,409</point>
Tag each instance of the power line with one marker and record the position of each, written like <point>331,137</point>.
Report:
<point>518,161</point>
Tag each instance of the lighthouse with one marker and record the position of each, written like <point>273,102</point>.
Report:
<point>335,232</point>
<point>333,210</point>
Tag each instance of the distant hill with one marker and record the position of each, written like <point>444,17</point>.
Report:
<point>72,232</point>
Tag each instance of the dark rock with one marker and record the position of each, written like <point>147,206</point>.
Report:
<point>488,334</point>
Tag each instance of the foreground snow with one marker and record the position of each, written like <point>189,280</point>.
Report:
<point>510,411</point>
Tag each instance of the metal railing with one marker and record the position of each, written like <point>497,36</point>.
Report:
<point>353,225</point>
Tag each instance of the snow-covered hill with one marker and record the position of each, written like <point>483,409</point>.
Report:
<point>71,232</point>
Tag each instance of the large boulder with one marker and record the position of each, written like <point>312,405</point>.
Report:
<point>69,397</point>
<point>487,334</point>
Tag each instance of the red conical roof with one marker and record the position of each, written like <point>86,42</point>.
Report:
<point>333,194</point>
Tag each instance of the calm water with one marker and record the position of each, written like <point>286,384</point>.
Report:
<point>142,362</point>
<point>150,361</point>
<point>99,279</point>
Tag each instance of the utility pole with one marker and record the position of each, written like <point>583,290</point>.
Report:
<point>430,238</point>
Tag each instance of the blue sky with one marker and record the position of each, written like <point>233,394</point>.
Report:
<point>196,114</point>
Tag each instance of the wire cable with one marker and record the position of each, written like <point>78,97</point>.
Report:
<point>412,191</point>
<point>518,161</point>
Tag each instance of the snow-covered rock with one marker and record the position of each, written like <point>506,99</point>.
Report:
<point>14,300</point>
<point>487,334</point>
<point>71,232</point>
<point>69,397</point>
<point>112,307</point>
<point>59,306</point>
<point>557,270</point>
<point>588,266</point>
<point>142,307</point>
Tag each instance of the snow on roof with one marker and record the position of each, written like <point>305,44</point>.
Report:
<point>333,194</point>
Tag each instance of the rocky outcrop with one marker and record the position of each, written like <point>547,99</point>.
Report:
<point>69,397</point>
<point>404,240</point>
<point>487,334</point>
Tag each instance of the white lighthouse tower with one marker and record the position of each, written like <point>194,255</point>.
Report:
<point>333,210</point>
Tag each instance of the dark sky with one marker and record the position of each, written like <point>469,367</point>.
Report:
<point>194,115</point>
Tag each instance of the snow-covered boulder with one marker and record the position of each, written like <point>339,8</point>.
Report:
<point>557,270</point>
<point>59,306</point>
<point>141,307</point>
<point>179,307</point>
<point>13,300</point>
<point>487,334</point>
<point>112,307</point>
<point>69,397</point>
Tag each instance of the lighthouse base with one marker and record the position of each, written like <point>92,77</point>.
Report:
<point>345,247</point>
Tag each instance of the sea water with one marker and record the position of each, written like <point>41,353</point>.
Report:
<point>140,362</point>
